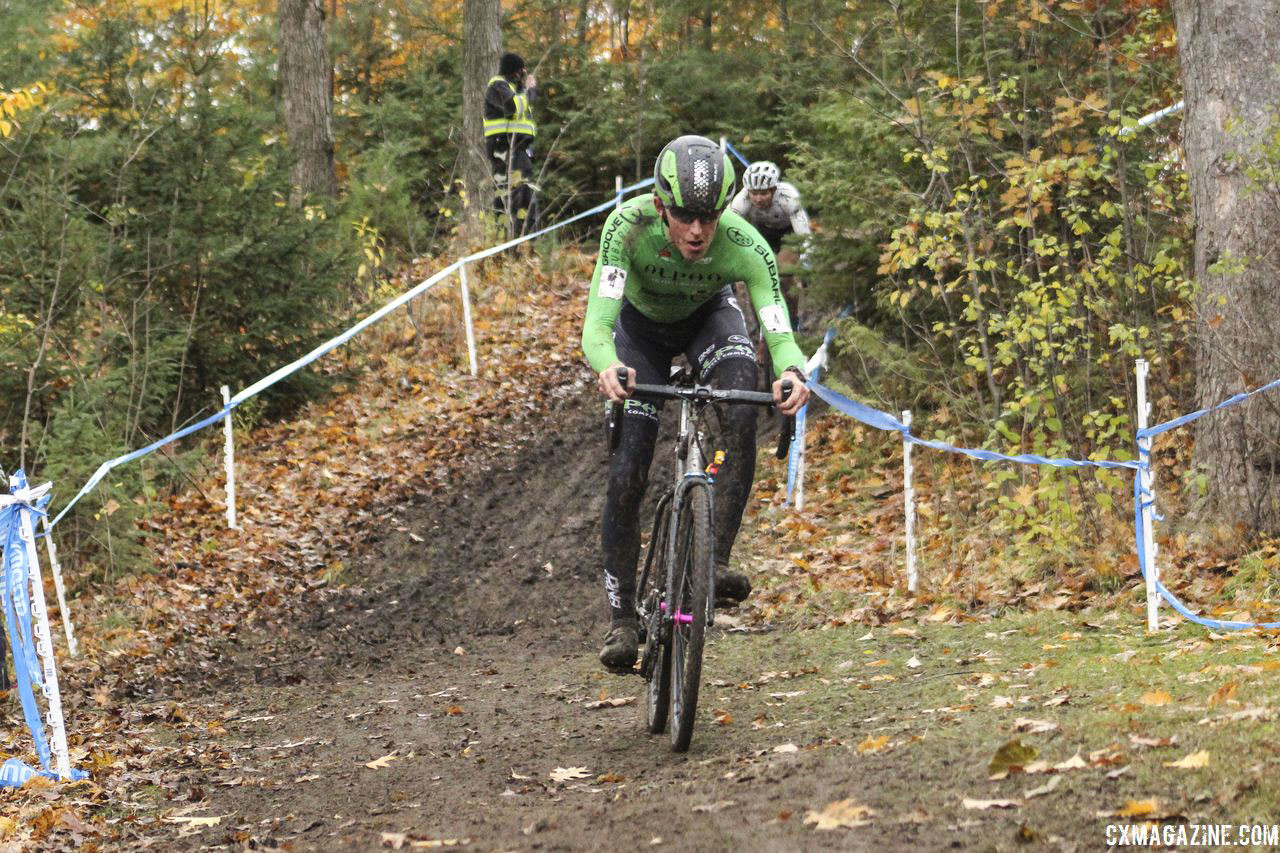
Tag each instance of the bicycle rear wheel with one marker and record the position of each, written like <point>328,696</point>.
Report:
<point>695,555</point>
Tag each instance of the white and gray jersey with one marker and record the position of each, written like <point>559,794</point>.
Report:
<point>784,216</point>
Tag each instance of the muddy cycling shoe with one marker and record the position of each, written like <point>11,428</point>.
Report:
<point>620,646</point>
<point>732,588</point>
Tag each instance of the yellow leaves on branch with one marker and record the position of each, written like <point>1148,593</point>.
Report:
<point>21,100</point>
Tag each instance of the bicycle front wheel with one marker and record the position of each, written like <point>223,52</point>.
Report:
<point>655,664</point>
<point>695,555</point>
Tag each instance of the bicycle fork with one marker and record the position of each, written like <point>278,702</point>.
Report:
<point>691,480</point>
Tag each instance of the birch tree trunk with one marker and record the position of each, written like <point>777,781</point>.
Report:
<point>1229,50</point>
<point>481,45</point>
<point>306,88</point>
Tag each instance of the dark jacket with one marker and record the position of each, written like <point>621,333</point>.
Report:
<point>508,116</point>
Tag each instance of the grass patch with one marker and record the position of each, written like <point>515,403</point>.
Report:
<point>916,711</point>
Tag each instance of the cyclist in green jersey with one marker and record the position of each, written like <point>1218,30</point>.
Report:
<point>663,287</point>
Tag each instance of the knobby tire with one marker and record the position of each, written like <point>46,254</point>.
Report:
<point>652,587</point>
<point>694,553</point>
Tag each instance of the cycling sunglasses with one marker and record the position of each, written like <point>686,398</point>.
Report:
<point>688,217</point>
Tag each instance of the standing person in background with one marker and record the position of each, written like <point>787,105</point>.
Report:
<point>509,131</point>
<point>773,207</point>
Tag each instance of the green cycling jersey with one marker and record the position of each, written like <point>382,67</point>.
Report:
<point>637,262</point>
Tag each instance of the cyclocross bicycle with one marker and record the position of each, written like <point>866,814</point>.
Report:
<point>675,595</point>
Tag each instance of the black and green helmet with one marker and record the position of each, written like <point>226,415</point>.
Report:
<point>693,173</point>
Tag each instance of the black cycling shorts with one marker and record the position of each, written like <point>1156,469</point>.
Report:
<point>708,337</point>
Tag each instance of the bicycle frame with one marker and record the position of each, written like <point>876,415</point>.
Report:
<point>689,473</point>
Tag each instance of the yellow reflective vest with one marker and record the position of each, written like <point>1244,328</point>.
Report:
<point>521,122</point>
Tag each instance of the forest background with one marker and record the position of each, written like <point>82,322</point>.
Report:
<point>1004,242</point>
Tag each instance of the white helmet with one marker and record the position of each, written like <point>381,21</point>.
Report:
<point>761,175</point>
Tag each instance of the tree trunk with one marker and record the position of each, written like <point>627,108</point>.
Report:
<point>1229,51</point>
<point>481,44</point>
<point>307,91</point>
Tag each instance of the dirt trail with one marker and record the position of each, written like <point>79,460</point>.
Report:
<point>461,652</point>
<point>462,645</point>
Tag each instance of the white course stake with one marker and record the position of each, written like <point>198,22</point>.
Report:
<point>617,189</point>
<point>466,317</point>
<point>802,427</point>
<point>59,588</point>
<point>44,649</point>
<point>909,501</point>
<point>228,460</point>
<point>1146,484</point>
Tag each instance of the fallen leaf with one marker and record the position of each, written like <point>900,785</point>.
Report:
<point>1046,788</point>
<point>1139,740</point>
<point>1075,762</point>
<point>565,774</point>
<point>382,763</point>
<point>711,808</point>
<point>394,840</point>
<point>192,820</point>
<point>722,717</point>
<point>610,777</point>
<point>983,805</point>
<point>1138,808</point>
<point>873,744</point>
<point>1113,754</point>
<point>1010,757</point>
<point>453,710</point>
<point>433,843</point>
<point>1034,727</point>
<point>1191,761</point>
<point>616,702</point>
<point>841,814</point>
<point>1156,698</point>
<point>786,747</point>
<point>1223,693</point>
<point>1118,772</point>
<point>914,662</point>
<point>459,650</point>
<point>1001,702</point>
<point>940,614</point>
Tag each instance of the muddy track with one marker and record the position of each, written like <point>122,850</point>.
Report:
<point>461,652</point>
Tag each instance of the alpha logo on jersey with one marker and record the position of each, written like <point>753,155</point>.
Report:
<point>613,281</point>
<point>774,318</point>
<point>737,236</point>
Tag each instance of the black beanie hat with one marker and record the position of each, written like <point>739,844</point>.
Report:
<point>510,63</point>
